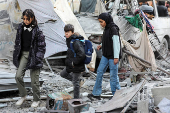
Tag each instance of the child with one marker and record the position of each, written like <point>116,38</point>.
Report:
<point>74,64</point>
<point>111,54</point>
<point>28,53</point>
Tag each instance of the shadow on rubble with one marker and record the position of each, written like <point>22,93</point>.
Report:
<point>9,94</point>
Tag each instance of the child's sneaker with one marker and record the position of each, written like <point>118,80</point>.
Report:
<point>35,104</point>
<point>20,101</point>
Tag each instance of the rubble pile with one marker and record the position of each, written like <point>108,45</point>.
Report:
<point>144,95</point>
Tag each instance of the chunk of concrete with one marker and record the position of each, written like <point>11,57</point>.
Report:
<point>143,106</point>
<point>128,81</point>
<point>77,106</point>
<point>164,105</point>
<point>159,93</point>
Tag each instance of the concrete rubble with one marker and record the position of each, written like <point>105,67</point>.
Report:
<point>141,96</point>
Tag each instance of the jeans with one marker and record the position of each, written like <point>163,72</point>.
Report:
<point>75,78</point>
<point>114,79</point>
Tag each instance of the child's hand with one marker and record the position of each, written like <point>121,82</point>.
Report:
<point>116,60</point>
<point>98,47</point>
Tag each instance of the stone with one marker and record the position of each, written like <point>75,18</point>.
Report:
<point>128,80</point>
<point>164,105</point>
<point>86,99</point>
<point>159,93</point>
<point>31,109</point>
<point>143,106</point>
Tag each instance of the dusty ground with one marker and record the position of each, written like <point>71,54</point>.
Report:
<point>54,83</point>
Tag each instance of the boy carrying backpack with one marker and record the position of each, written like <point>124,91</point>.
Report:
<point>78,54</point>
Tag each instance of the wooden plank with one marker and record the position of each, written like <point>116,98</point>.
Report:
<point>121,98</point>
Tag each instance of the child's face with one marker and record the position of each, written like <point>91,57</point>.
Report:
<point>102,23</point>
<point>27,21</point>
<point>68,34</point>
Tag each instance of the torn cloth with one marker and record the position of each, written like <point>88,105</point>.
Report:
<point>142,49</point>
<point>135,21</point>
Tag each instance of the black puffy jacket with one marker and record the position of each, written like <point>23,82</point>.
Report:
<point>75,64</point>
<point>37,48</point>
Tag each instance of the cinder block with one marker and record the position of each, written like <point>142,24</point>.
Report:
<point>159,93</point>
<point>77,106</point>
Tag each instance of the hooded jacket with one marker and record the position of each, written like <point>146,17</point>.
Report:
<point>37,48</point>
<point>75,64</point>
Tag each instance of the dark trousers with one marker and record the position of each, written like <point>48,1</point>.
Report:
<point>75,78</point>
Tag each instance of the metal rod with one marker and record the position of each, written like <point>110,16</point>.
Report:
<point>58,57</point>
<point>49,65</point>
<point>144,61</point>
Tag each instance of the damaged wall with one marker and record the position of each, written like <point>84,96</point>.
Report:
<point>10,16</point>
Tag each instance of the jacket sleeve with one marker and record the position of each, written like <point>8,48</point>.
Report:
<point>17,41</point>
<point>41,46</point>
<point>116,46</point>
<point>80,53</point>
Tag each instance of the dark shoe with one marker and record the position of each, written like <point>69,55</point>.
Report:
<point>91,96</point>
<point>110,97</point>
<point>84,74</point>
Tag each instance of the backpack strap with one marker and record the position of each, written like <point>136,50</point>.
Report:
<point>71,46</point>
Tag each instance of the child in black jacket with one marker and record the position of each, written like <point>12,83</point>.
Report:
<point>74,64</point>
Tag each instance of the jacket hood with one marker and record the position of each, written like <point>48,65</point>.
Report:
<point>76,37</point>
<point>68,40</point>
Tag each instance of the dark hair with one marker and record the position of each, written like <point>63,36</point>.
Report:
<point>161,2</point>
<point>69,27</point>
<point>30,14</point>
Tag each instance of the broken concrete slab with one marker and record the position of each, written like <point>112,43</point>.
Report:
<point>121,98</point>
<point>159,93</point>
<point>143,106</point>
<point>164,105</point>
